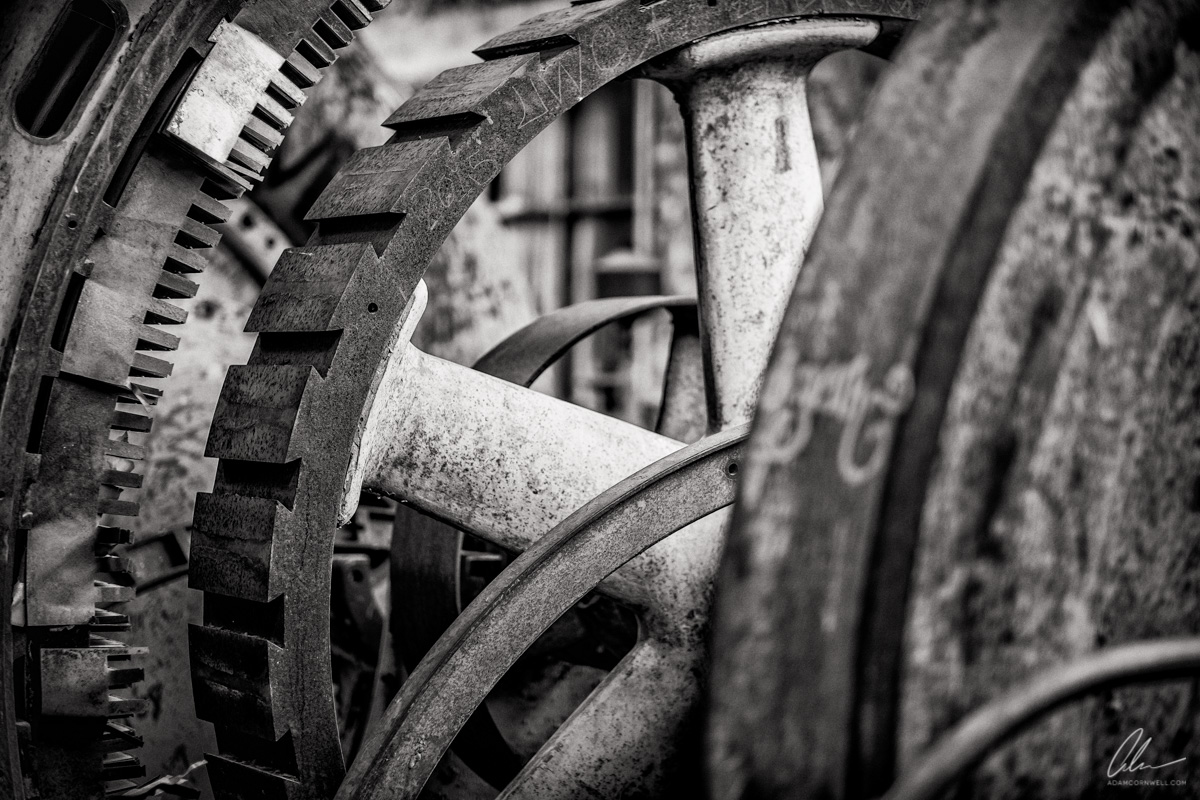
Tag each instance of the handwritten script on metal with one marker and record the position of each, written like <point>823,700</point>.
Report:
<point>843,392</point>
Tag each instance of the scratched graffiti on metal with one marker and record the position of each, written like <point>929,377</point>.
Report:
<point>842,391</point>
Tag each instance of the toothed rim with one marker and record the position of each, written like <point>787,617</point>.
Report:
<point>287,421</point>
<point>99,311</point>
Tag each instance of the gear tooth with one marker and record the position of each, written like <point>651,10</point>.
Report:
<point>268,400</point>
<point>352,13</point>
<point>234,779</point>
<point>247,155</point>
<point>452,102</point>
<point>207,209</point>
<point>314,50</point>
<point>193,233</point>
<point>248,175</point>
<point>301,70</point>
<point>332,30</point>
<point>235,183</point>
<point>113,593</point>
<point>122,448</point>
<point>550,31</point>
<point>113,565</point>
<point>108,537</point>
<point>145,366</point>
<point>233,543</point>
<point>218,191</point>
<point>375,6</point>
<point>273,112</point>
<point>140,393</point>
<point>286,91</point>
<point>234,673</point>
<point>153,337</point>
<point>111,647</point>
<point>182,259</point>
<point>376,180</point>
<point>543,44</point>
<point>306,287</point>
<point>106,622</point>
<point>119,737</point>
<point>159,312</point>
<point>121,766</point>
<point>120,479</point>
<point>173,286</point>
<point>123,707</point>
<point>121,508</point>
<point>129,421</point>
<point>262,134</point>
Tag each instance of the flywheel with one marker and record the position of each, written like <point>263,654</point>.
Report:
<point>972,474</point>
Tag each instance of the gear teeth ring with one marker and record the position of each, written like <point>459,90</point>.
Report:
<point>138,254</point>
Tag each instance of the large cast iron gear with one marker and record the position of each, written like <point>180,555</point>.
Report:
<point>108,217</point>
<point>334,400</point>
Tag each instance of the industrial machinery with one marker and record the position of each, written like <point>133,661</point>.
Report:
<point>954,415</point>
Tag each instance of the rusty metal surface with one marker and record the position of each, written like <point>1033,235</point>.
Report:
<point>848,427</point>
<point>537,588</point>
<point>291,421</point>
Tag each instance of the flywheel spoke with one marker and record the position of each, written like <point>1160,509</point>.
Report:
<point>497,460</point>
<point>527,597</point>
